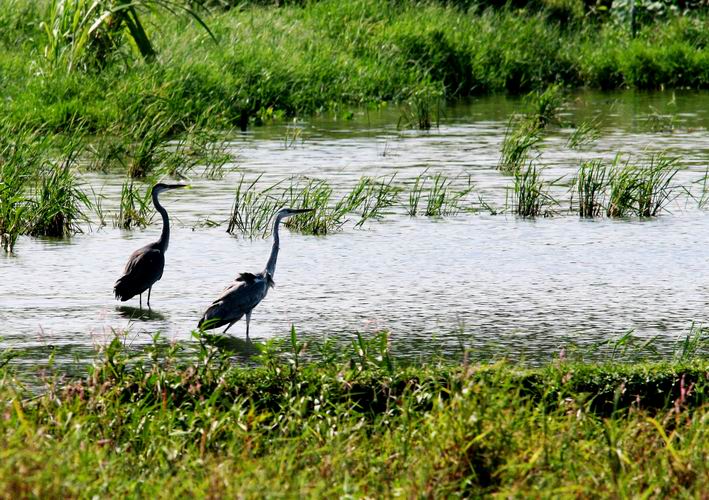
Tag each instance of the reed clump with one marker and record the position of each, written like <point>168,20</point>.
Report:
<point>531,192</point>
<point>135,209</point>
<point>438,196</point>
<point>522,137</point>
<point>591,184</point>
<point>643,190</point>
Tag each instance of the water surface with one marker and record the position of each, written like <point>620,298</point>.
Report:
<point>525,287</point>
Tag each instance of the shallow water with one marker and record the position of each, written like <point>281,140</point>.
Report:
<point>522,287</point>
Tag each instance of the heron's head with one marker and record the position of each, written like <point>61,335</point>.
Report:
<point>288,212</point>
<point>160,187</point>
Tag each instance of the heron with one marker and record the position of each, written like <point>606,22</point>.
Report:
<point>145,265</point>
<point>248,290</point>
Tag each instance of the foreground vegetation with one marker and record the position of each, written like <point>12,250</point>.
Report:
<point>354,422</point>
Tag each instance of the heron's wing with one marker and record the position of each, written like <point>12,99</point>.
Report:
<point>144,268</point>
<point>248,277</point>
<point>237,300</point>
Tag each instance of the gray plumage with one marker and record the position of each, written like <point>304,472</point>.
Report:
<point>248,290</point>
<point>145,265</point>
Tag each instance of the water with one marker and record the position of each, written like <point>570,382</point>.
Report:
<point>481,281</point>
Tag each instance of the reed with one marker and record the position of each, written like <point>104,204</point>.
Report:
<point>59,204</point>
<point>584,135</point>
<point>422,109</point>
<point>654,184</point>
<point>522,136</point>
<point>135,209</point>
<point>315,194</point>
<point>591,184</point>
<point>254,208</point>
<point>376,196</point>
<point>531,193</point>
<point>545,106</point>
<point>643,190</point>
<point>623,189</point>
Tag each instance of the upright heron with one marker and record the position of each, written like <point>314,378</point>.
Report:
<point>240,298</point>
<point>146,264</point>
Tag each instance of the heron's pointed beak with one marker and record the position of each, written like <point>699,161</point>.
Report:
<point>302,210</point>
<point>177,186</point>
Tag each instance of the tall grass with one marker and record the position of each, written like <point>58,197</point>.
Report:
<point>135,208</point>
<point>442,198</point>
<point>531,192</point>
<point>253,208</point>
<point>643,190</point>
<point>591,183</point>
<point>522,136</point>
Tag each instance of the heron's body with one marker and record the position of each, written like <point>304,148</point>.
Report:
<point>247,291</point>
<point>145,266</point>
<point>143,270</point>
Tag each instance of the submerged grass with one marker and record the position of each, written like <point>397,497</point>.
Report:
<point>154,423</point>
<point>643,190</point>
<point>590,184</point>
<point>135,209</point>
<point>531,192</point>
<point>522,136</point>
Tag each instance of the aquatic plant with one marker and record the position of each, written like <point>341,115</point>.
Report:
<point>293,135</point>
<point>544,106</point>
<point>441,198</point>
<point>591,184</point>
<point>623,189</point>
<point>585,134</point>
<point>522,135</point>
<point>378,195</point>
<point>531,192</point>
<point>317,195</point>
<point>422,108</point>
<point>253,208</point>
<point>58,203</point>
<point>654,184</point>
<point>135,209</point>
<point>643,190</point>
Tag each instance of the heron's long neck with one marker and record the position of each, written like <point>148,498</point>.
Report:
<point>164,240</point>
<point>271,264</point>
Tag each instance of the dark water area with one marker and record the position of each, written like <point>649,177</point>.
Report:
<point>522,287</point>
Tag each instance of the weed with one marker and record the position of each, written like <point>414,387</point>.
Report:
<point>584,135</point>
<point>521,137</point>
<point>531,194</point>
<point>58,204</point>
<point>253,208</point>
<point>135,208</point>
<point>422,109</point>
<point>591,184</point>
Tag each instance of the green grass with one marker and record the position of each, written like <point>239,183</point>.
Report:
<point>591,184</point>
<point>531,192</point>
<point>297,60</point>
<point>322,420</point>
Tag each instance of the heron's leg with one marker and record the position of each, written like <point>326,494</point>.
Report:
<point>248,320</point>
<point>140,301</point>
<point>149,290</point>
<point>229,326</point>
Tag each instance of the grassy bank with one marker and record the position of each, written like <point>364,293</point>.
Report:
<point>354,422</point>
<point>295,60</point>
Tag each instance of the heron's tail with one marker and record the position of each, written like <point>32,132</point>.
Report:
<point>122,290</point>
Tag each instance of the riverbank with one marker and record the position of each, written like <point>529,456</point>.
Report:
<point>354,422</point>
<point>270,63</point>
